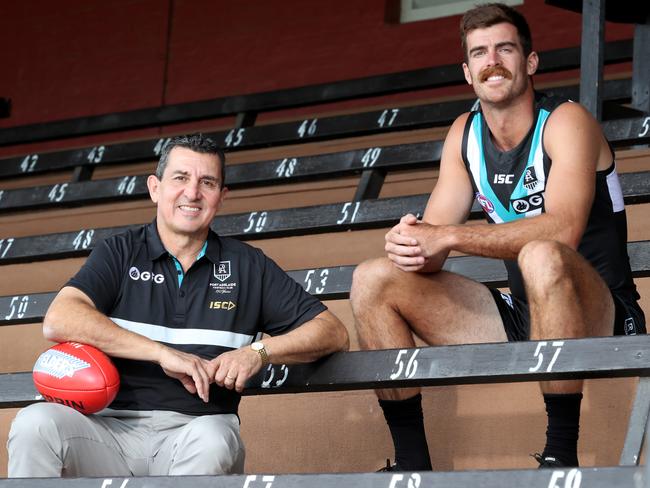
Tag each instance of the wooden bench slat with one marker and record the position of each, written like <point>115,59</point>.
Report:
<point>602,357</point>
<point>602,477</point>
<point>272,223</point>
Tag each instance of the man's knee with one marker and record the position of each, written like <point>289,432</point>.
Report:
<point>209,445</point>
<point>34,424</point>
<point>370,279</point>
<point>545,263</point>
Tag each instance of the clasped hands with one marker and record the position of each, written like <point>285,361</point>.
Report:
<point>230,370</point>
<point>411,243</point>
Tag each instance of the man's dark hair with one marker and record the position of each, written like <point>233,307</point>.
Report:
<point>489,14</point>
<point>197,143</point>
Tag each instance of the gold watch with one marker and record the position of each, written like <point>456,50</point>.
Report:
<point>259,348</point>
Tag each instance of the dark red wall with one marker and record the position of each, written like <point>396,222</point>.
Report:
<point>83,57</point>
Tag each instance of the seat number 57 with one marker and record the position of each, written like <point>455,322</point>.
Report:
<point>543,351</point>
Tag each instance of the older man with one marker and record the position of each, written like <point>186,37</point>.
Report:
<point>181,311</point>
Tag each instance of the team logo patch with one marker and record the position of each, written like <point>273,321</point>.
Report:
<point>530,179</point>
<point>630,326</point>
<point>222,270</point>
<point>528,203</point>
<point>59,364</point>
<point>485,204</point>
<point>508,300</point>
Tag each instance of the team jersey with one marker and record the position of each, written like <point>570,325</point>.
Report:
<point>510,185</point>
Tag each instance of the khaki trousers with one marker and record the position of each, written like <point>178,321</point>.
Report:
<point>51,440</point>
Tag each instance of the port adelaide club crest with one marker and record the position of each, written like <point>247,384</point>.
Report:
<point>222,283</point>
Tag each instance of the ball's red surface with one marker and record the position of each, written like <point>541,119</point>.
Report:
<point>77,375</point>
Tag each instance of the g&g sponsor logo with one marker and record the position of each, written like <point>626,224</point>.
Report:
<point>528,203</point>
<point>135,275</point>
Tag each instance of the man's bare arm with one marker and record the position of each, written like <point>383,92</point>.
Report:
<point>574,141</point>
<point>72,316</point>
<point>322,335</point>
<point>449,203</point>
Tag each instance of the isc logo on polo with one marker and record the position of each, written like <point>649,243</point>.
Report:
<point>226,305</point>
<point>135,275</point>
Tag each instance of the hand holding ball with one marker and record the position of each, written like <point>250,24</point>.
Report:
<point>77,375</point>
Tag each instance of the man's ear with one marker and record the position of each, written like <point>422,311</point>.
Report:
<point>532,63</point>
<point>222,197</point>
<point>153,183</point>
<point>468,76</point>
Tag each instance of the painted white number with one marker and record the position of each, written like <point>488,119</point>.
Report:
<point>5,244</point>
<point>279,381</point>
<point>540,355</point>
<point>413,481</point>
<point>572,480</point>
<point>83,239</point>
<point>411,365</point>
<point>256,224</point>
<point>370,157</point>
<point>96,154</point>
<point>126,185</point>
<point>646,127</point>
<point>387,117</point>
<point>286,167</point>
<point>22,303</point>
<point>108,482</point>
<point>160,145</point>
<point>57,192</point>
<point>234,137</point>
<point>323,275</point>
<point>267,479</point>
<point>344,211</point>
<point>308,127</point>
<point>27,166</point>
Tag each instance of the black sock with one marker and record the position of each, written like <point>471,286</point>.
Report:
<point>563,412</point>
<point>406,424</point>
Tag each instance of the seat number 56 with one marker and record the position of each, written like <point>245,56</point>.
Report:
<point>411,364</point>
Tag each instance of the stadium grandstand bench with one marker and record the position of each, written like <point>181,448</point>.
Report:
<point>467,364</point>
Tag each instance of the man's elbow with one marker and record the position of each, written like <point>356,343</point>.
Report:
<point>343,338</point>
<point>51,330</point>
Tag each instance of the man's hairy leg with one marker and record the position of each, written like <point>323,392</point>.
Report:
<point>390,306</point>
<point>568,299</point>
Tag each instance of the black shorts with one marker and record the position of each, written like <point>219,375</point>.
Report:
<point>629,318</point>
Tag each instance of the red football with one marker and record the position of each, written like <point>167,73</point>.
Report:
<point>77,375</point>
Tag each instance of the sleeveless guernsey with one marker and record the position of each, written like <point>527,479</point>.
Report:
<point>510,186</point>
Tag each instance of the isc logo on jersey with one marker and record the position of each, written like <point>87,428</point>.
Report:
<point>503,179</point>
<point>135,275</point>
<point>528,203</point>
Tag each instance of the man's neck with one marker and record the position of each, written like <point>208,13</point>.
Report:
<point>510,124</point>
<point>185,248</point>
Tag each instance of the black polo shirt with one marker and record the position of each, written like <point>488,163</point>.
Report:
<point>227,298</point>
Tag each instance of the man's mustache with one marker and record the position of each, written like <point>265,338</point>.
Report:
<point>494,71</point>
